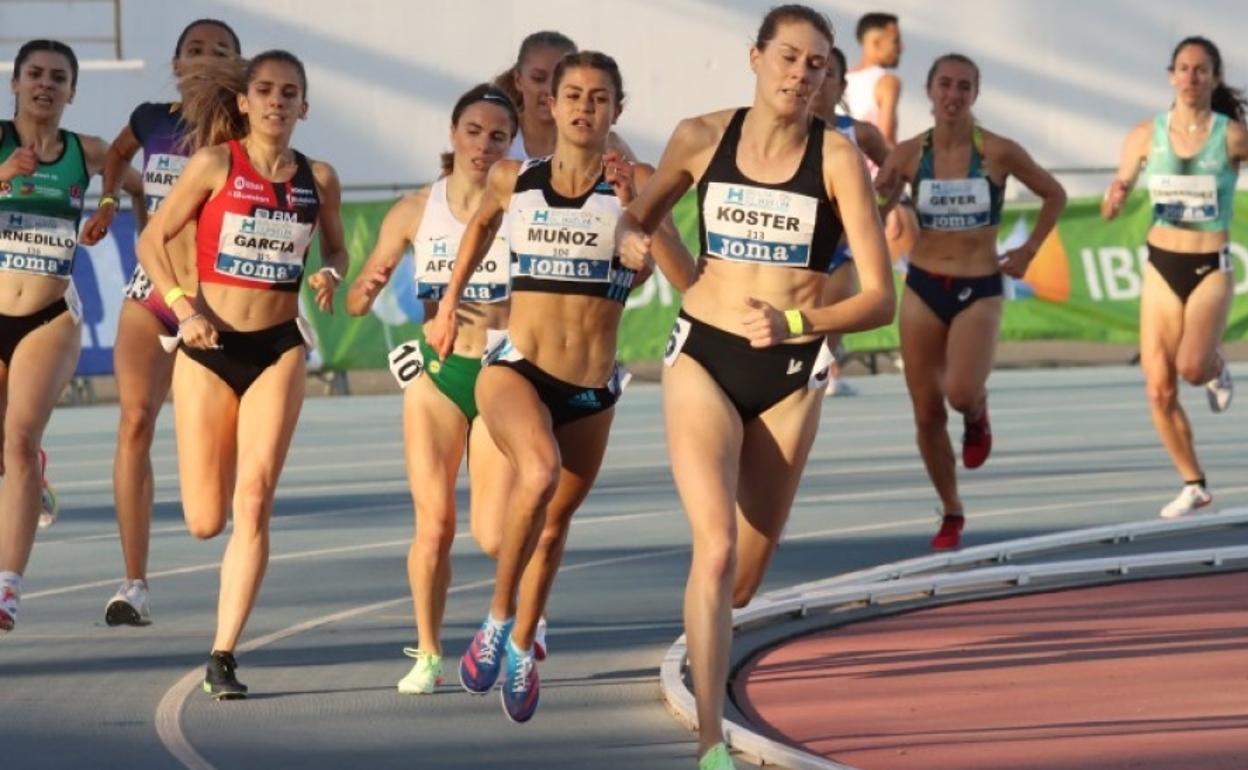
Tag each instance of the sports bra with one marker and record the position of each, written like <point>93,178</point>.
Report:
<point>968,203</point>
<point>790,224</point>
<point>159,128</point>
<point>436,247</point>
<point>1196,193</point>
<point>39,213</point>
<point>565,245</point>
<point>255,233</point>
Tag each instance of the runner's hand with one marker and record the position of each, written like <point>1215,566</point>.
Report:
<point>197,331</point>
<point>764,325</point>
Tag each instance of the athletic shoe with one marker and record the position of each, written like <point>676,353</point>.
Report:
<point>716,758</point>
<point>949,537</point>
<point>10,597</point>
<point>1192,496</point>
<point>539,640</point>
<point>129,607</point>
<point>838,388</point>
<point>521,689</point>
<point>478,668</point>
<point>425,676</point>
<point>219,679</point>
<point>1220,389</point>
<point>976,440</point>
<point>48,508</point>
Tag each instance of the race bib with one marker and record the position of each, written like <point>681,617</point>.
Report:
<point>1183,198</point>
<point>676,341</point>
<point>263,250</point>
<point>37,245</point>
<point>563,244</point>
<point>954,204</point>
<point>435,261</point>
<point>406,363</point>
<point>757,225</point>
<point>159,175</point>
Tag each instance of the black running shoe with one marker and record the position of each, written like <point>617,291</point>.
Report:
<point>219,680</point>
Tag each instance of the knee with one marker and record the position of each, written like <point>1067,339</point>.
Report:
<point>434,537</point>
<point>21,449</point>
<point>930,417</point>
<point>963,400</point>
<point>490,542</point>
<point>138,424</point>
<point>550,541</point>
<point>252,502</point>
<point>536,479</point>
<point>714,561</point>
<point>205,528</point>
<point>1162,394</point>
<point>1193,369</point>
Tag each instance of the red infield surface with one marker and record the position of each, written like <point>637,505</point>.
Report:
<point>1141,676</point>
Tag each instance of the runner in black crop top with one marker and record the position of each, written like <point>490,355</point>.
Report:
<point>741,392</point>
<point>790,224</point>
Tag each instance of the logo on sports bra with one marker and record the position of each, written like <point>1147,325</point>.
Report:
<point>954,204</point>
<point>753,224</point>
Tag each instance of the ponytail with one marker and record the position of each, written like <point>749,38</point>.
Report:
<point>210,87</point>
<point>1230,102</point>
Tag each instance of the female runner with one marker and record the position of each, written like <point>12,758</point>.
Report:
<point>440,420</point>
<point>548,392</point>
<point>867,138</point>
<point>142,367</point>
<point>44,171</point>
<point>951,309</point>
<point>238,381</point>
<point>776,189</point>
<point>1190,157</point>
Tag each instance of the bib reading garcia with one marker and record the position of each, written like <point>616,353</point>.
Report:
<point>265,250</point>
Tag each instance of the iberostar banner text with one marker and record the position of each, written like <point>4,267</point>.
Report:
<point>1083,285</point>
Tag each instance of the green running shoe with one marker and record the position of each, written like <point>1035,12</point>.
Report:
<point>716,759</point>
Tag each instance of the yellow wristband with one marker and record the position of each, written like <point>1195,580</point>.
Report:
<point>173,295</point>
<point>881,199</point>
<point>797,324</point>
<point>106,200</point>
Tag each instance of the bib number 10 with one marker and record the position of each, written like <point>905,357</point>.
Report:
<point>406,363</point>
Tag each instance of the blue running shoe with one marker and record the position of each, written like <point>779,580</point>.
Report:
<point>521,689</point>
<point>478,668</point>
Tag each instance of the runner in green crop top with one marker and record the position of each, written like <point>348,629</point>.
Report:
<point>43,176</point>
<point>1190,157</point>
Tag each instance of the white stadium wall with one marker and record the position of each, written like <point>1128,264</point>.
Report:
<point>1065,78</point>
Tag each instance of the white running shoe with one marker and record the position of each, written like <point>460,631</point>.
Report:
<point>129,606</point>
<point>839,387</point>
<point>1192,497</point>
<point>10,597</point>
<point>539,640</point>
<point>425,675</point>
<point>1220,389</point>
